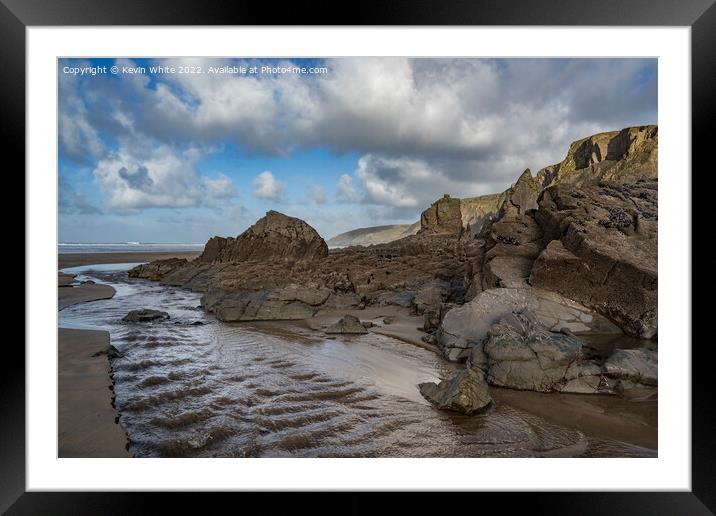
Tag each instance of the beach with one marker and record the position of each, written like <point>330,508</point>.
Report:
<point>85,416</point>
<point>65,260</point>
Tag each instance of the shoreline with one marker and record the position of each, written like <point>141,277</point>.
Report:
<point>87,423</point>
<point>65,260</point>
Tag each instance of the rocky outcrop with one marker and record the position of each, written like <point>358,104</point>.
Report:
<point>145,315</point>
<point>275,237</point>
<point>465,392</point>
<point>590,236</point>
<point>289,303</point>
<point>602,250</point>
<point>466,326</point>
<point>443,217</point>
<point>348,324</point>
<point>616,156</point>
<point>158,269</point>
<point>519,352</point>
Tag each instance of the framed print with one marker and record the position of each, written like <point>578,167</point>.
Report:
<point>435,250</point>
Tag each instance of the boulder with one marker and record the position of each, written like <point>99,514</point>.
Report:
<point>633,366</point>
<point>274,237</point>
<point>348,324</point>
<point>466,326</point>
<point>465,392</point>
<point>443,217</point>
<point>144,315</point>
<point>521,353</point>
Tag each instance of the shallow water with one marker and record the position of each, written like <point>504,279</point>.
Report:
<point>195,387</point>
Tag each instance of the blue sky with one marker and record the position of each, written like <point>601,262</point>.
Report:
<point>179,157</point>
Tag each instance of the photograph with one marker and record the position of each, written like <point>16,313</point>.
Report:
<point>344,257</point>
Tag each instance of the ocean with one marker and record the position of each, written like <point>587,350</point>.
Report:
<point>126,247</point>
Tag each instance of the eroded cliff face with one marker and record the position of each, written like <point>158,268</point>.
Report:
<point>590,235</point>
<point>616,156</point>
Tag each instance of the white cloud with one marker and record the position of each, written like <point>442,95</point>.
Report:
<point>318,194</point>
<point>266,186</point>
<point>221,187</point>
<point>345,191</point>
<point>159,178</point>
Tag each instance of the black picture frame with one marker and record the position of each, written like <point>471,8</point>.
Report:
<point>700,15</point>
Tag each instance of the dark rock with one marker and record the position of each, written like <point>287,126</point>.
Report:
<point>145,315</point>
<point>443,217</point>
<point>465,392</point>
<point>275,237</point>
<point>348,324</point>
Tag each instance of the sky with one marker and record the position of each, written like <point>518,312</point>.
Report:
<point>206,146</point>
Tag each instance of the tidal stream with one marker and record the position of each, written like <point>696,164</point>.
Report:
<point>192,386</point>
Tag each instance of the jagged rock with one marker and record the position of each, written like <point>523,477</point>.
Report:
<point>156,270</point>
<point>602,251</point>
<point>443,217</point>
<point>144,315</point>
<point>466,326</point>
<point>522,196</point>
<point>465,392</point>
<point>521,353</point>
<point>347,324</point>
<point>633,366</point>
<point>275,237</point>
<point>616,156</point>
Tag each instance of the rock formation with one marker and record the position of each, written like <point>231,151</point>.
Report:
<point>590,236</point>
<point>443,217</point>
<point>465,392</point>
<point>275,237</point>
<point>521,353</point>
<point>616,156</point>
<point>466,326</point>
<point>144,315</point>
<point>348,324</point>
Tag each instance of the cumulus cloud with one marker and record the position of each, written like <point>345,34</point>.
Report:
<point>133,179</point>
<point>221,187</point>
<point>266,186</point>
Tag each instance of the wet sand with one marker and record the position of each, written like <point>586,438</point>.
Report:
<point>402,325</point>
<point>68,295</point>
<point>77,259</point>
<point>85,417</point>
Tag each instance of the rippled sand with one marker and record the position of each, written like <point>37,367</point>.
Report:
<point>194,387</point>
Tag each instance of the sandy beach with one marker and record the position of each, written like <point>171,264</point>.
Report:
<point>77,259</point>
<point>86,418</point>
